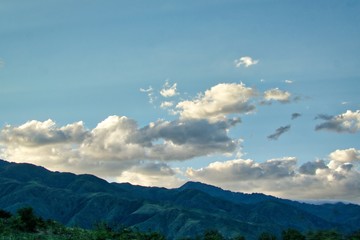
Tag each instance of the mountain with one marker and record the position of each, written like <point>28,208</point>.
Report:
<point>84,200</point>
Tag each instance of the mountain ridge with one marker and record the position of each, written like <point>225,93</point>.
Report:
<point>84,200</point>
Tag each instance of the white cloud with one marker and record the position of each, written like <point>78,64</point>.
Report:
<point>150,93</point>
<point>34,133</point>
<point>168,90</point>
<point>167,104</point>
<point>347,122</point>
<point>346,155</point>
<point>246,61</point>
<point>277,95</point>
<point>114,145</point>
<point>218,101</point>
<point>152,174</point>
<point>284,178</point>
<point>288,81</point>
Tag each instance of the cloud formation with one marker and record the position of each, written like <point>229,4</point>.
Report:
<point>150,93</point>
<point>246,61</point>
<point>348,122</point>
<point>152,174</point>
<point>282,177</point>
<point>280,131</point>
<point>115,143</point>
<point>218,101</point>
<point>276,94</point>
<point>166,104</point>
<point>168,90</point>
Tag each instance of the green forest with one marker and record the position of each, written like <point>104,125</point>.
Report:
<point>26,225</point>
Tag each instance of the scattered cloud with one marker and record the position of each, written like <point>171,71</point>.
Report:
<point>276,94</point>
<point>150,93</point>
<point>289,81</point>
<point>246,61</point>
<point>348,122</point>
<point>218,101</point>
<point>279,132</point>
<point>295,115</point>
<point>169,90</point>
<point>282,177</point>
<point>166,104</point>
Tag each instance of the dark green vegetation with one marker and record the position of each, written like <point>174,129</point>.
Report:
<point>26,225</point>
<point>186,212</point>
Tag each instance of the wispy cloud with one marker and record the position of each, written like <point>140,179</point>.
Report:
<point>295,115</point>
<point>246,61</point>
<point>150,93</point>
<point>288,81</point>
<point>276,94</point>
<point>347,122</point>
<point>280,131</point>
<point>166,104</point>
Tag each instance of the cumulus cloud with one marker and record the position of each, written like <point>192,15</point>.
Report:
<point>115,144</point>
<point>35,133</point>
<point>243,170</point>
<point>284,178</point>
<point>246,61</point>
<point>276,94</point>
<point>152,174</point>
<point>169,90</point>
<point>280,131</point>
<point>218,101</point>
<point>348,122</point>
<point>346,155</point>
<point>295,115</point>
<point>310,168</point>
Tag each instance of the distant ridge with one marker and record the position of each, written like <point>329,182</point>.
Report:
<point>189,210</point>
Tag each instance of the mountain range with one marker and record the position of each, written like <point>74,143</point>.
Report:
<point>84,200</point>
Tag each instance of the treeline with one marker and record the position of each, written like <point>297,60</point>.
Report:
<point>26,225</point>
<point>289,234</point>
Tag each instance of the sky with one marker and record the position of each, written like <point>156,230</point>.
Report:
<point>248,95</point>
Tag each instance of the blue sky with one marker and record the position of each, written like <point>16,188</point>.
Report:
<point>247,95</point>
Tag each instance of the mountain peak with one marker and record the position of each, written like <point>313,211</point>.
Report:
<point>198,186</point>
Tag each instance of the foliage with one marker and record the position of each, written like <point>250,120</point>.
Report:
<point>213,235</point>
<point>292,234</point>
<point>26,225</point>
<point>267,236</point>
<point>324,235</point>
